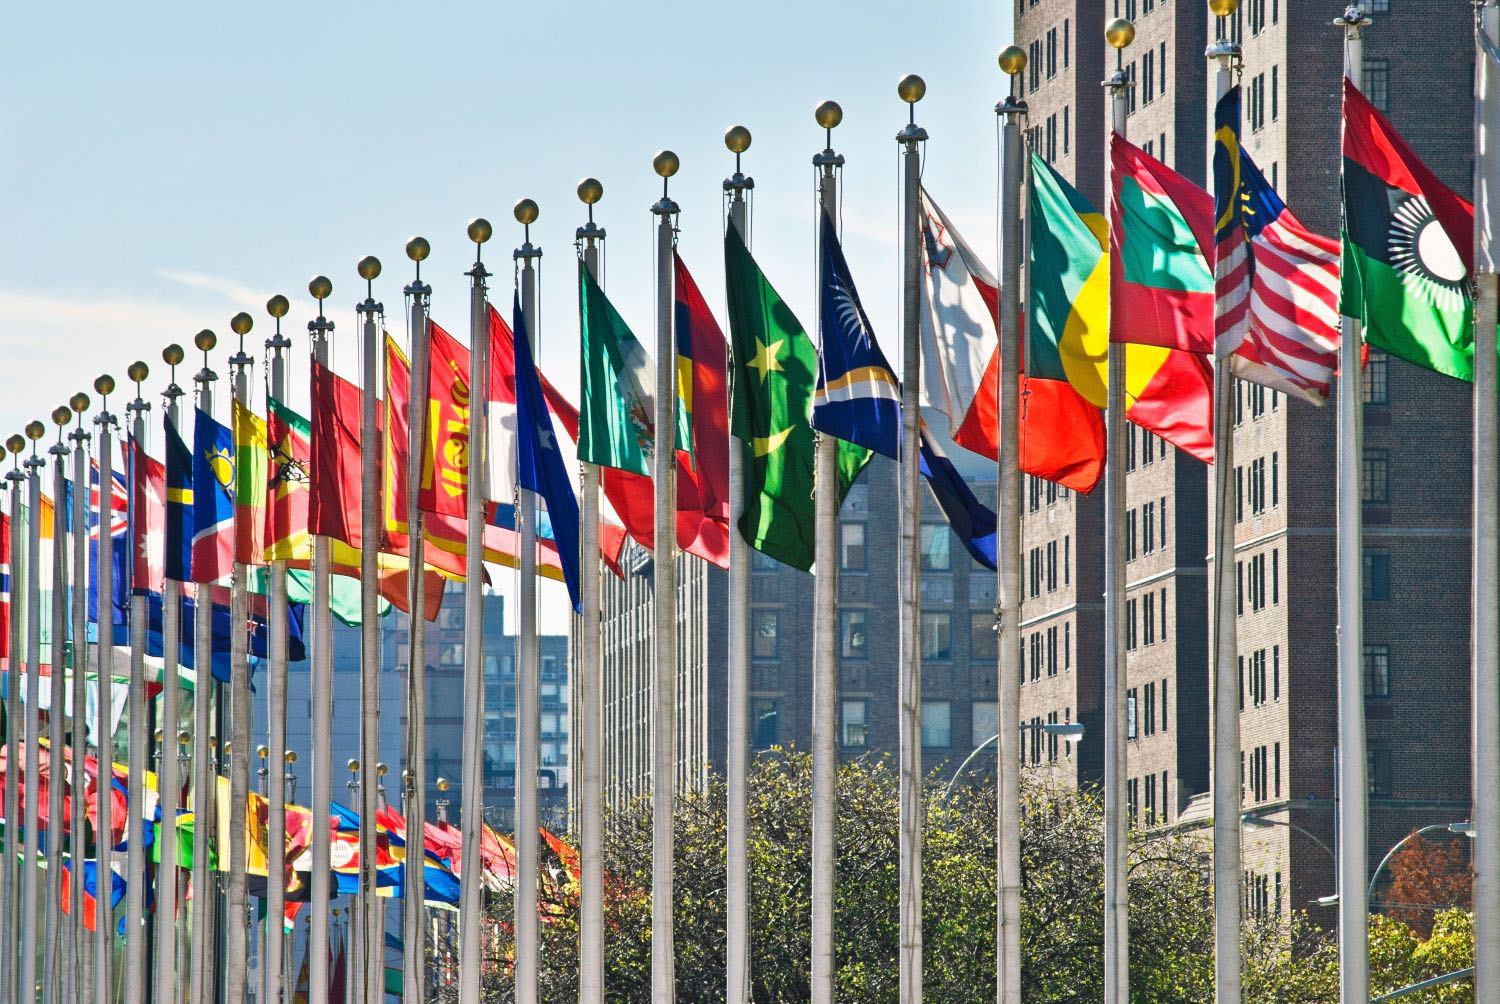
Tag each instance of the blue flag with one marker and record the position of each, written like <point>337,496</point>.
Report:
<point>539,465</point>
<point>858,398</point>
<point>971,520</point>
<point>178,530</point>
<point>213,499</point>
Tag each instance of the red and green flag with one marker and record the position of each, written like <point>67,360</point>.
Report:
<point>251,472</point>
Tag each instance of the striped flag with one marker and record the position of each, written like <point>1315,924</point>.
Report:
<point>1276,283</point>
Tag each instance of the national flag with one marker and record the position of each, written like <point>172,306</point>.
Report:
<point>1161,226</point>
<point>539,464</point>
<point>1408,247</point>
<point>334,505</point>
<point>289,438</point>
<point>1062,435</point>
<point>90,890</point>
<point>1276,282</point>
<point>446,455</point>
<point>617,386</point>
<point>1167,391</point>
<point>703,393</point>
<point>252,463</point>
<point>121,564</point>
<point>775,372</point>
<point>148,521</point>
<point>213,499</point>
<point>6,578</point>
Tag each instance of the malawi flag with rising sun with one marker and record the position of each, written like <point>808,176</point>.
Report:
<point>1408,247</point>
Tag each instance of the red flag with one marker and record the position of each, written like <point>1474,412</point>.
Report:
<point>333,510</point>
<point>445,456</point>
<point>702,368</point>
<point>148,520</point>
<point>7,577</point>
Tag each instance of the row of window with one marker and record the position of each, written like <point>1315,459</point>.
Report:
<point>1043,566</point>
<point>937,723</point>
<point>1254,399</point>
<point>1039,488</point>
<point>1250,486</point>
<point>1152,527</point>
<point>1141,710</point>
<point>936,549</point>
<point>1256,103</point>
<point>1264,684</point>
<point>1049,652</point>
<point>1037,742</point>
<point>1260,901</point>
<point>1142,611</point>
<point>1152,447</point>
<point>936,632</point>
<point>1158,809</point>
<point>1250,582</point>
<point>1265,773</point>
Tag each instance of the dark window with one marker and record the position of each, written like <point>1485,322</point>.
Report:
<point>854,715</point>
<point>982,637</point>
<point>765,634</point>
<point>937,635</point>
<point>852,546</point>
<point>1130,625</point>
<point>1130,535</point>
<point>1378,763</point>
<point>767,722</point>
<point>1375,477</point>
<point>1377,671</point>
<point>1377,85</point>
<point>853,637</point>
<point>1376,388</point>
<point>1377,575</point>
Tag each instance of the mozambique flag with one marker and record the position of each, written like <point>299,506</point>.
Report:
<point>251,472</point>
<point>1408,247</point>
<point>178,532</point>
<point>774,373</point>
<point>1167,391</point>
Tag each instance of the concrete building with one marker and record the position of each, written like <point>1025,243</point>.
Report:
<point>1416,461</point>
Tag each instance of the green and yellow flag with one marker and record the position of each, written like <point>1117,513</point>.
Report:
<point>252,461</point>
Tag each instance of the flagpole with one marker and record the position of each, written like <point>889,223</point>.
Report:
<point>911,90</point>
<point>237,966</point>
<point>471,920</point>
<point>83,967</point>
<point>664,599</point>
<point>414,779</point>
<point>31,863</point>
<point>169,778</point>
<point>369,910</point>
<point>52,986</point>
<point>11,960</point>
<point>1352,794</point>
<point>528,693</point>
<point>320,331</point>
<point>590,720</point>
<point>205,745</point>
<point>278,345</point>
<point>737,738</point>
<point>138,735</point>
<point>1224,54</point>
<point>104,933</point>
<point>1008,546</point>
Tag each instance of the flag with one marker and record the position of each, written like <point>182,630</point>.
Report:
<point>703,392</point>
<point>252,463</point>
<point>177,535</point>
<point>1161,224</point>
<point>1062,434</point>
<point>1276,282</point>
<point>148,520</point>
<point>334,505</point>
<point>539,465</point>
<point>775,371</point>
<point>213,499</point>
<point>617,386</point>
<point>970,520</point>
<point>6,578</point>
<point>1167,391</point>
<point>1408,247</point>
<point>445,459</point>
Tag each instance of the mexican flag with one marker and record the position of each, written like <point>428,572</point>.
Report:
<point>774,369</point>
<point>616,425</point>
<point>1408,247</point>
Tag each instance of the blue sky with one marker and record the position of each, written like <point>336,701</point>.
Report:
<point>166,166</point>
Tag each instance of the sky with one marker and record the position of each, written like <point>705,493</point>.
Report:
<point>164,170</point>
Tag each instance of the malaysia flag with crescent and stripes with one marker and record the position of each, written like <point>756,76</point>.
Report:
<point>1276,283</point>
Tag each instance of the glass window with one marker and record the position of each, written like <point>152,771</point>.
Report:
<point>853,638</point>
<point>852,546</point>
<point>937,635</point>
<point>1377,671</point>
<point>1375,477</point>
<point>937,724</point>
<point>986,722</point>
<point>853,735</point>
<point>1376,389</point>
<point>767,722</point>
<point>1377,575</point>
<point>936,554</point>
<point>764,633</point>
<point>1378,82</point>
<point>1379,766</point>
<point>982,643</point>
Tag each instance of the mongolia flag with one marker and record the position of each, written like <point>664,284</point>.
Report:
<point>177,534</point>
<point>703,397</point>
<point>446,456</point>
<point>213,499</point>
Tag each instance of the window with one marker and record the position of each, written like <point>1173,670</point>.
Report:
<point>1376,6</point>
<point>1035,555</point>
<point>1377,575</point>
<point>1162,515</point>
<point>1275,576</point>
<point>1275,92</point>
<point>982,637</point>
<point>1052,650</point>
<point>1166,799</point>
<point>1150,799</point>
<point>1377,373</point>
<point>1051,53</point>
<point>1034,63</point>
<point>1377,85</point>
<point>937,724</point>
<point>1378,763</point>
<point>1164,613</point>
<point>1130,535</point>
<point>1129,447</point>
<point>1148,694</point>
<point>1275,479</point>
<point>1065,47</point>
<point>852,547</point>
<point>1148,527</point>
<point>1067,558</point>
<point>1067,128</point>
<point>1164,715</point>
<point>1377,671</point>
<point>1130,625</point>
<point>985,721</point>
<point>767,723</point>
<point>764,641</point>
<point>1036,656</point>
<point>1148,625</point>
<point>937,635</point>
<point>1051,565</point>
<point>1148,77</point>
<point>1052,137</point>
<point>1239,494</point>
<point>1275,672</point>
<point>853,639</point>
<point>1067,645</point>
<point>936,555</point>
<point>1375,477</point>
<point>852,734</point>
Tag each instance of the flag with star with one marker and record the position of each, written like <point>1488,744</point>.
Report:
<point>774,370</point>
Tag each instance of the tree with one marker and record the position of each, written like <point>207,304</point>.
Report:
<point>1428,875</point>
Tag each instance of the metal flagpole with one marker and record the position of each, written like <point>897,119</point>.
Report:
<point>590,720</point>
<point>471,919</point>
<point>12,914</point>
<point>320,330</point>
<point>236,963</point>
<point>278,345</point>
<point>138,733</point>
<point>52,980</point>
<point>737,704</point>
<point>1224,55</point>
<point>104,927</point>
<point>371,911</point>
<point>414,778</point>
<point>1119,34</point>
<point>528,666</point>
<point>169,778</point>
<point>825,676</point>
<point>1008,547</point>
<point>1486,583</point>
<point>911,89</point>
<point>355,911</point>
<point>664,598</point>
<point>1353,808</point>
<point>31,864</point>
<point>82,948</point>
<point>205,746</point>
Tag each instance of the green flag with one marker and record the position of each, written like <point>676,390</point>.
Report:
<point>774,371</point>
<point>618,379</point>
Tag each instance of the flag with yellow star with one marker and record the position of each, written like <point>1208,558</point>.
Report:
<point>774,370</point>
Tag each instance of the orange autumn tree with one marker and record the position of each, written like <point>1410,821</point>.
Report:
<point>1427,875</point>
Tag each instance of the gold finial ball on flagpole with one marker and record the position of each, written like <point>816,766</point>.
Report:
<point>15,444</point>
<point>35,430</point>
<point>173,354</point>
<point>205,340</point>
<point>1223,8</point>
<point>158,735</point>
<point>590,191</point>
<point>241,323</point>
<point>912,88</point>
<point>665,164</point>
<point>277,306</point>
<point>381,769</point>
<point>79,402</point>
<point>262,752</point>
<point>104,385</point>
<point>480,230</point>
<point>526,212</point>
<point>442,784</point>
<point>320,286</point>
<point>138,371</point>
<point>1012,60</point>
<point>184,738</point>
<point>737,139</point>
<point>353,765</point>
<point>828,114</point>
<point>62,415</point>
<point>1119,33</point>
<point>369,268</point>
<point>417,249</point>
<point>290,757</point>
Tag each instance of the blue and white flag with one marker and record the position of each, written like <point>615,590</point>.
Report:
<point>971,520</point>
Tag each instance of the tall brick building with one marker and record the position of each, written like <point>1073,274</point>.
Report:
<point>1416,464</point>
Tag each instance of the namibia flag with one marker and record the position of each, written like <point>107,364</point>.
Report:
<point>1408,247</point>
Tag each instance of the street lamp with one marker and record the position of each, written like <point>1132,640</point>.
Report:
<point>1068,732</point>
<point>1465,829</point>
